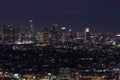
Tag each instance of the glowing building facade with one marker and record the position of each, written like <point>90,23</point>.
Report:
<point>87,34</point>
<point>63,34</point>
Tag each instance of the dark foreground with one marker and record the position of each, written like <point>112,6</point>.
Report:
<point>97,60</point>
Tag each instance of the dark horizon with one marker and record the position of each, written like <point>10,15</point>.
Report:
<point>99,16</point>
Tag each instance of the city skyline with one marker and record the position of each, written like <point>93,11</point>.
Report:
<point>60,39</point>
<point>67,26</point>
<point>100,16</point>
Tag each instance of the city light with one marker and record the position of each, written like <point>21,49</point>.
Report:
<point>53,53</point>
<point>118,35</point>
<point>87,30</point>
<point>63,28</point>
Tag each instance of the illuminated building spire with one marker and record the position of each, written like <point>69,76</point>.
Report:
<point>87,34</point>
<point>31,26</point>
<point>63,34</point>
<point>30,31</point>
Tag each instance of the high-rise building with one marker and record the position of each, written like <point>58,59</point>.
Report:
<point>63,34</point>
<point>87,34</point>
<point>70,36</point>
<point>46,35</point>
<point>30,31</point>
<point>54,33</point>
<point>10,34</point>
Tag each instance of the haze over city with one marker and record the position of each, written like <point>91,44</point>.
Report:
<point>99,16</point>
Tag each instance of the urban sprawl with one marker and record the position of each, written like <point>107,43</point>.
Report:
<point>58,53</point>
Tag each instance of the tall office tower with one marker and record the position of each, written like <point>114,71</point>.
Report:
<point>70,36</point>
<point>10,34</point>
<point>30,31</point>
<point>87,34</point>
<point>46,34</point>
<point>54,33</point>
<point>63,34</point>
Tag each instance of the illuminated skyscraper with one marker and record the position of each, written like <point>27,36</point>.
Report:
<point>87,34</point>
<point>10,34</point>
<point>30,31</point>
<point>70,36</point>
<point>63,34</point>
<point>54,33</point>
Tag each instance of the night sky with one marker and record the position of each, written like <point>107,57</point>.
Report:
<point>98,15</point>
